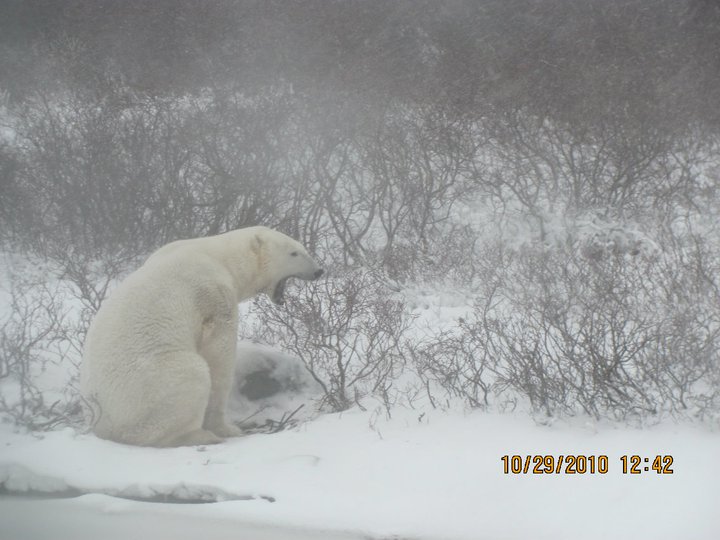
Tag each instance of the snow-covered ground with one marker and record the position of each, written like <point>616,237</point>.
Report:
<point>422,474</point>
<point>436,475</point>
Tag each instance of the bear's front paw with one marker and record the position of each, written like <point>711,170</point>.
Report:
<point>226,430</point>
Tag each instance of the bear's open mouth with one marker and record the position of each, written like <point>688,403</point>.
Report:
<point>278,295</point>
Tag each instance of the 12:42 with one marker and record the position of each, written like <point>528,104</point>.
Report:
<point>637,464</point>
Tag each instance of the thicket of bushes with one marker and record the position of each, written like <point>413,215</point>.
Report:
<point>621,336</point>
<point>556,161</point>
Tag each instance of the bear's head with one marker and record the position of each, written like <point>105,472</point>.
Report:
<point>282,258</point>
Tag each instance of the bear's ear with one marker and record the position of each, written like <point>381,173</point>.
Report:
<point>256,244</point>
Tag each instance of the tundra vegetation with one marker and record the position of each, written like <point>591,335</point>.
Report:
<point>554,162</point>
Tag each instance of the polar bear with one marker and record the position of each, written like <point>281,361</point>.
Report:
<point>159,355</point>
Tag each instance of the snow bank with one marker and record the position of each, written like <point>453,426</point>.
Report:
<point>270,386</point>
<point>426,476</point>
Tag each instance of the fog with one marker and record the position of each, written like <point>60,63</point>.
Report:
<point>554,163</point>
<point>515,202</point>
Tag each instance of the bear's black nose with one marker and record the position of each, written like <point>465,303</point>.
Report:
<point>318,274</point>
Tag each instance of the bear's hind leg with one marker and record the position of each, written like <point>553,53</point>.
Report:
<point>178,408</point>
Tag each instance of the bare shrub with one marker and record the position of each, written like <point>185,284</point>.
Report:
<point>33,338</point>
<point>348,330</point>
<point>619,337</point>
<point>417,163</point>
<point>11,196</point>
<point>457,366</point>
<point>238,144</point>
<point>455,363</point>
<point>549,167</point>
<point>82,190</point>
<point>329,207</point>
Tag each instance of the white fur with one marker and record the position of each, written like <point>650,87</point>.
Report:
<point>159,355</point>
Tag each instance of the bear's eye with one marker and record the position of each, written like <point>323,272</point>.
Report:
<point>294,254</point>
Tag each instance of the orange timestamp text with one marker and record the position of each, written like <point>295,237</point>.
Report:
<point>583,464</point>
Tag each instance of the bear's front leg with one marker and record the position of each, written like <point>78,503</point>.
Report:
<point>218,348</point>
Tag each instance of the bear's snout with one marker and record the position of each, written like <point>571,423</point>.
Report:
<point>318,273</point>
